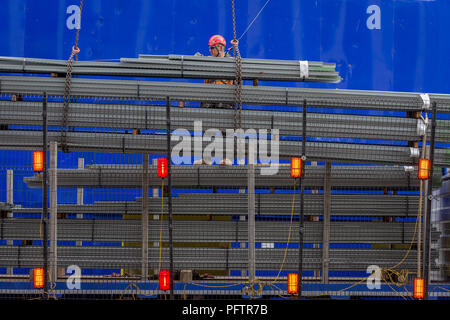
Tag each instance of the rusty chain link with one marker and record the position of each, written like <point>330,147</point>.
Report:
<point>238,81</point>
<point>66,100</point>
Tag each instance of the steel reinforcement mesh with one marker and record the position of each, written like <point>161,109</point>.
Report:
<point>226,221</point>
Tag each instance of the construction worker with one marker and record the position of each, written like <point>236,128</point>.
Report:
<point>216,46</point>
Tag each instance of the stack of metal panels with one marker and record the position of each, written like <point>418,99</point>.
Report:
<point>210,258</point>
<point>157,144</point>
<point>216,93</point>
<point>366,232</point>
<point>200,176</point>
<point>178,66</point>
<point>144,117</point>
<point>265,204</point>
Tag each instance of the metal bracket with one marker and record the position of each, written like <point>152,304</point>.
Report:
<point>426,101</point>
<point>414,152</point>
<point>408,168</point>
<point>182,66</point>
<point>304,69</point>
<point>422,125</point>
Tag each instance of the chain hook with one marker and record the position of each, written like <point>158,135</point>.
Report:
<point>75,50</point>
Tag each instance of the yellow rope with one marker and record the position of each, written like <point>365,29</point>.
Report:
<point>251,284</point>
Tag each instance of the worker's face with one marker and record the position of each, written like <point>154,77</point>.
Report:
<point>217,51</point>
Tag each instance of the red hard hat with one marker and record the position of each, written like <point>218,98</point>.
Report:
<point>215,40</point>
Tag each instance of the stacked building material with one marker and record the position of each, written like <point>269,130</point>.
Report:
<point>177,66</point>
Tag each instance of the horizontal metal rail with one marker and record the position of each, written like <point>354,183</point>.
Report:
<point>183,176</point>
<point>269,232</point>
<point>156,144</point>
<point>265,204</point>
<point>218,287</point>
<point>144,117</point>
<point>209,258</point>
<point>252,95</point>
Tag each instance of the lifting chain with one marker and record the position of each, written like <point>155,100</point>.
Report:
<point>238,81</point>
<point>66,100</point>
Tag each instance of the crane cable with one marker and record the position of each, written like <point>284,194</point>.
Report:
<point>254,19</point>
<point>251,23</point>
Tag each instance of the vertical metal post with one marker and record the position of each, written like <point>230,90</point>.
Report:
<point>144,217</point>
<point>326,222</point>
<point>408,177</point>
<point>424,223</point>
<point>53,253</point>
<point>242,191</point>
<point>251,222</point>
<point>302,194</point>
<point>9,200</point>
<point>419,234</point>
<point>314,190</point>
<point>156,216</point>
<point>169,187</point>
<point>300,239</point>
<point>427,247</point>
<point>44,190</point>
<point>80,191</point>
<point>242,244</point>
<point>80,196</point>
<point>9,187</point>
